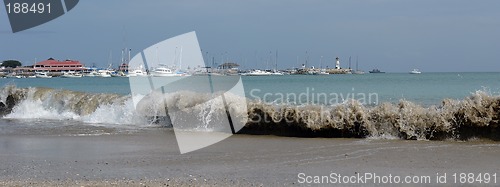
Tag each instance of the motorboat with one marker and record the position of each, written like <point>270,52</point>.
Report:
<point>14,75</point>
<point>323,72</point>
<point>118,74</point>
<point>71,75</point>
<point>91,74</point>
<point>164,72</point>
<point>103,73</point>
<point>42,75</point>
<point>415,71</point>
<point>277,73</point>
<point>136,73</point>
<point>258,72</point>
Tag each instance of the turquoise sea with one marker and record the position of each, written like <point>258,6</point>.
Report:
<point>426,88</point>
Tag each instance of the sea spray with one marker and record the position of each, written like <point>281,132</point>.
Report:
<point>46,103</point>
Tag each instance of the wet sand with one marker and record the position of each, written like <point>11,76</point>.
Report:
<point>151,158</point>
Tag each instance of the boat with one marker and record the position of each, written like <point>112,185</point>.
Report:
<point>357,71</point>
<point>14,75</point>
<point>103,73</point>
<point>71,75</point>
<point>376,71</point>
<point>164,72</point>
<point>42,75</point>
<point>277,73</point>
<point>92,73</point>
<point>258,72</point>
<point>323,72</point>
<point>118,74</point>
<point>415,71</point>
<point>136,73</point>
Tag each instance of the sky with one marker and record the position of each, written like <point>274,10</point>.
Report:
<point>392,35</point>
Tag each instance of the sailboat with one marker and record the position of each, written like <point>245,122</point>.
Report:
<point>357,72</point>
<point>322,71</point>
<point>275,71</point>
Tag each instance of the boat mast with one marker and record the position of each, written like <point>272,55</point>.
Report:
<point>180,59</point>
<point>110,60</point>
<point>123,58</point>
<point>175,57</point>
<point>269,60</point>
<point>157,58</point>
<point>307,58</point>
<point>298,63</point>
<point>129,51</point>
<point>321,62</point>
<point>349,62</point>
<point>213,62</point>
<point>276,66</point>
<point>356,63</point>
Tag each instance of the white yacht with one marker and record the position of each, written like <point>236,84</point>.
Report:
<point>323,72</point>
<point>92,73</point>
<point>164,72</point>
<point>71,75</point>
<point>258,72</point>
<point>42,75</point>
<point>415,71</point>
<point>136,73</point>
<point>103,73</point>
<point>277,73</point>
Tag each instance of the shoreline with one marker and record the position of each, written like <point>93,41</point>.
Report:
<point>151,157</point>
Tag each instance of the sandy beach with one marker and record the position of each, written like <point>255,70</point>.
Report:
<point>151,158</point>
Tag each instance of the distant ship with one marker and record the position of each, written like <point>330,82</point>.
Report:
<point>415,71</point>
<point>376,71</point>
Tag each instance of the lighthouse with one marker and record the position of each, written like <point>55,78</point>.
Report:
<point>337,64</point>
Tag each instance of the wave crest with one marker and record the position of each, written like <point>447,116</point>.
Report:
<point>476,116</point>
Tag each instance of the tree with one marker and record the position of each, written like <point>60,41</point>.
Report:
<point>11,63</point>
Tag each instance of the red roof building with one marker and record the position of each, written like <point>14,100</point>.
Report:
<point>57,66</point>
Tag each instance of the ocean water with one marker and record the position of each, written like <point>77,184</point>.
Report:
<point>399,105</point>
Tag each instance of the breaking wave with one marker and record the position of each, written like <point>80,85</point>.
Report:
<point>476,116</point>
<point>47,103</point>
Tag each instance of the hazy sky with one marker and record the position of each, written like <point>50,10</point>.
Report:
<point>392,35</point>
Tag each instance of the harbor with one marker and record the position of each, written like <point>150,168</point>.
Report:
<point>76,69</point>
